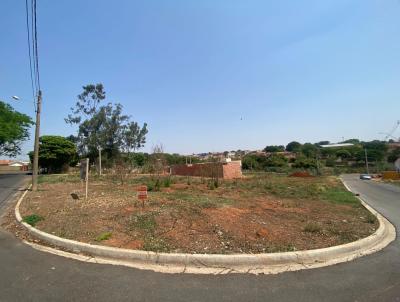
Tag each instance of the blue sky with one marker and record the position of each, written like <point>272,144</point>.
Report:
<point>214,75</point>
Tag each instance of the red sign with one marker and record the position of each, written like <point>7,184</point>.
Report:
<point>142,192</point>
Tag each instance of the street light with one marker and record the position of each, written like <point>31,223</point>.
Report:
<point>15,97</point>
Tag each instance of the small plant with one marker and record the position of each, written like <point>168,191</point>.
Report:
<point>371,218</point>
<point>211,185</point>
<point>312,227</point>
<point>104,236</point>
<point>145,222</point>
<point>32,219</point>
<point>167,182</point>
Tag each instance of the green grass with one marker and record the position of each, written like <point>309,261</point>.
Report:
<point>315,188</point>
<point>32,219</point>
<point>339,195</point>
<point>54,178</point>
<point>104,236</point>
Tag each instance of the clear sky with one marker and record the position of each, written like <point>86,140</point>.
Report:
<point>214,75</point>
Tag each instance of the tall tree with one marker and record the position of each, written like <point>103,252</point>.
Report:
<point>14,128</point>
<point>104,126</point>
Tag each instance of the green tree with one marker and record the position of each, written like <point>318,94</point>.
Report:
<point>293,147</point>
<point>309,150</point>
<point>104,126</point>
<point>274,148</point>
<point>14,128</point>
<point>55,152</point>
<point>276,160</point>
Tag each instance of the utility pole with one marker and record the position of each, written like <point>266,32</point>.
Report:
<point>366,160</point>
<point>99,148</point>
<point>36,147</point>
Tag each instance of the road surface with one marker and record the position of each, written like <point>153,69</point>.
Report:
<point>27,274</point>
<point>9,185</point>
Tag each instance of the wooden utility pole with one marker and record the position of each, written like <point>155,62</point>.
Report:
<point>36,147</point>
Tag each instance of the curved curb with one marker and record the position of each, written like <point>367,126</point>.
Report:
<point>217,263</point>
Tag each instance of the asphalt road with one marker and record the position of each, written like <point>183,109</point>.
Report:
<point>9,185</point>
<point>30,275</point>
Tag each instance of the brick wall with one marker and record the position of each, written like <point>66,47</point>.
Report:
<point>232,170</point>
<point>228,170</point>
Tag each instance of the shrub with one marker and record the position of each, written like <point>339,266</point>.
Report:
<point>312,227</point>
<point>103,236</point>
<point>32,219</point>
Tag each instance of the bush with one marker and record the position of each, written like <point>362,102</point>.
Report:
<point>312,227</point>
<point>32,219</point>
<point>103,236</point>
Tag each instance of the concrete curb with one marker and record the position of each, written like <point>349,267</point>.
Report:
<point>216,263</point>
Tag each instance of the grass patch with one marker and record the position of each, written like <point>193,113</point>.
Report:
<point>145,222</point>
<point>54,178</point>
<point>104,236</point>
<point>201,200</point>
<point>339,195</point>
<point>32,219</point>
<point>155,244</point>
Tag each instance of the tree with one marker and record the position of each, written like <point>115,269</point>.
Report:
<point>276,160</point>
<point>293,147</point>
<point>394,155</point>
<point>274,148</point>
<point>14,128</point>
<point>55,152</point>
<point>104,126</point>
<point>309,150</point>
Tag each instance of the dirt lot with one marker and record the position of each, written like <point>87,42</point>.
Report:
<point>263,213</point>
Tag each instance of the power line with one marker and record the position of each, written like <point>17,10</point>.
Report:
<point>29,52</point>
<point>36,56</point>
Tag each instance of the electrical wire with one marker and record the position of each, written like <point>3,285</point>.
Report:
<point>29,52</point>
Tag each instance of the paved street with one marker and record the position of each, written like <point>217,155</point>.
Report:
<point>30,275</point>
<point>9,185</point>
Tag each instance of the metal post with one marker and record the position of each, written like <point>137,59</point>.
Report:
<point>366,160</point>
<point>36,147</point>
<point>87,177</point>
<point>99,160</point>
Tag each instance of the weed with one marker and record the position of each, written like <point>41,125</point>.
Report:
<point>103,236</point>
<point>32,219</point>
<point>370,218</point>
<point>312,227</point>
<point>167,182</point>
<point>145,222</point>
<point>155,244</point>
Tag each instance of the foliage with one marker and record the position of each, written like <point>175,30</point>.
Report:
<point>55,152</point>
<point>104,236</point>
<point>309,150</point>
<point>32,219</point>
<point>274,148</point>
<point>304,162</point>
<point>104,126</point>
<point>276,160</point>
<point>14,128</point>
<point>293,147</point>
<point>394,155</point>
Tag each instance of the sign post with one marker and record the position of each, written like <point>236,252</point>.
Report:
<point>84,173</point>
<point>142,194</point>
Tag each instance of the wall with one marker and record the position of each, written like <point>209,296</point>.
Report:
<point>222,170</point>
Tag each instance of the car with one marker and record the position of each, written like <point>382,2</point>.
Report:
<point>365,177</point>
